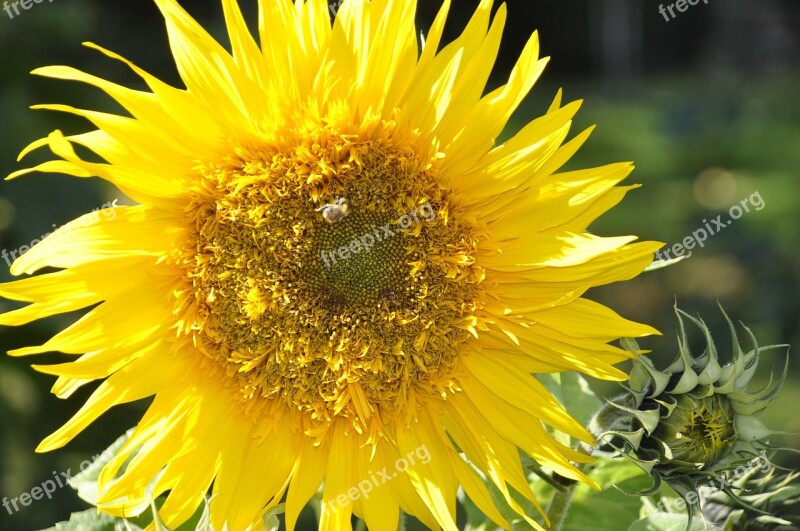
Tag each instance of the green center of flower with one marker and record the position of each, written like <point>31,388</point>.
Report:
<point>359,258</point>
<point>699,430</point>
<point>332,277</point>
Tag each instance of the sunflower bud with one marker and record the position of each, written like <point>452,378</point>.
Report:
<point>765,501</point>
<point>693,423</point>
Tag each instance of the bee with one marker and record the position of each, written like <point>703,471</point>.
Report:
<point>335,212</point>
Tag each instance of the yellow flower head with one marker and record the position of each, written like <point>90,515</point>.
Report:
<point>333,273</point>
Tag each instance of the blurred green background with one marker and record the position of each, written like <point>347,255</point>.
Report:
<point>705,104</point>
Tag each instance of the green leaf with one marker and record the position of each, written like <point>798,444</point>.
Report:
<point>85,483</point>
<point>667,522</point>
<point>609,509</point>
<point>91,520</point>
<point>476,520</point>
<point>574,393</point>
<point>611,472</point>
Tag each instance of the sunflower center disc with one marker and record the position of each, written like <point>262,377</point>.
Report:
<point>700,431</point>
<point>360,259</point>
<point>332,277</point>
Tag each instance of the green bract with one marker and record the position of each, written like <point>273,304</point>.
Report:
<point>771,502</point>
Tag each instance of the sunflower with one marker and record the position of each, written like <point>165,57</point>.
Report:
<point>333,274</point>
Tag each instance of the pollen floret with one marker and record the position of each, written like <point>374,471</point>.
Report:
<point>694,422</point>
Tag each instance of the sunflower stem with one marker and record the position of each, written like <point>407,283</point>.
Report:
<point>560,504</point>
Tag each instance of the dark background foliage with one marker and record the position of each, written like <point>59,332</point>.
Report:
<point>705,104</point>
